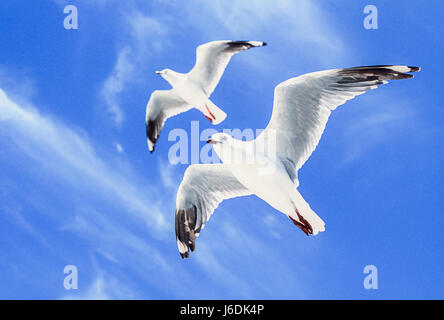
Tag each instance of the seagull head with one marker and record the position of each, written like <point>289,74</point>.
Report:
<point>165,73</point>
<point>229,149</point>
<point>169,75</point>
<point>220,143</point>
<point>219,138</point>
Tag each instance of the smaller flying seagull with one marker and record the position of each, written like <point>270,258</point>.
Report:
<point>301,109</point>
<point>193,89</point>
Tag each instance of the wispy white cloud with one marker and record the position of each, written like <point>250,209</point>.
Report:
<point>271,222</point>
<point>143,39</point>
<point>168,175</point>
<point>119,147</point>
<point>384,119</point>
<point>103,287</point>
<point>301,20</point>
<point>17,82</point>
<point>115,84</point>
<point>68,154</point>
<point>229,240</point>
<point>300,27</point>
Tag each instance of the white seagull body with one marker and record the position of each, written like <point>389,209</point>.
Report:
<point>302,106</point>
<point>193,89</point>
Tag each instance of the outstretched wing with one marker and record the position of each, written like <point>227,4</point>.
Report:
<point>203,187</point>
<point>212,59</point>
<point>162,105</point>
<point>303,104</point>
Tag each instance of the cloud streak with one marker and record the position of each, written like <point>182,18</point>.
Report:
<point>384,118</point>
<point>295,26</point>
<point>68,158</point>
<point>124,225</point>
<point>143,33</point>
<point>124,222</point>
<point>68,154</point>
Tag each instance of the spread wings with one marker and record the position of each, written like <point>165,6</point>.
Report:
<point>212,59</point>
<point>303,104</point>
<point>162,105</point>
<point>203,188</point>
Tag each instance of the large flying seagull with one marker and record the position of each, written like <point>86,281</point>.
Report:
<point>301,109</point>
<point>193,89</point>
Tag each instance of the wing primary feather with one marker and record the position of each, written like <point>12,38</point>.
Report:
<point>236,46</point>
<point>162,105</point>
<point>212,59</point>
<point>203,187</point>
<point>185,233</point>
<point>302,105</point>
<point>153,129</point>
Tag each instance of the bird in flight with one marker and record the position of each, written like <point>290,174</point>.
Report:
<point>193,89</point>
<point>302,106</point>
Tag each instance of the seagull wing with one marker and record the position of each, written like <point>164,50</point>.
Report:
<point>162,105</point>
<point>212,59</point>
<point>303,104</point>
<point>203,187</point>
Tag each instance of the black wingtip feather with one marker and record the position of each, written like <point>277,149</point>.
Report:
<point>239,45</point>
<point>375,73</point>
<point>185,224</point>
<point>151,133</point>
<point>153,129</point>
<point>414,69</point>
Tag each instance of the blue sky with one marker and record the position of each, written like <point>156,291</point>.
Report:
<point>79,187</point>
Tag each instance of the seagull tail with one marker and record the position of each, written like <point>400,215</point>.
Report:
<point>213,113</point>
<point>304,217</point>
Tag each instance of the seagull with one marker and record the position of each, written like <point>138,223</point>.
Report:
<point>193,89</point>
<point>301,109</point>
